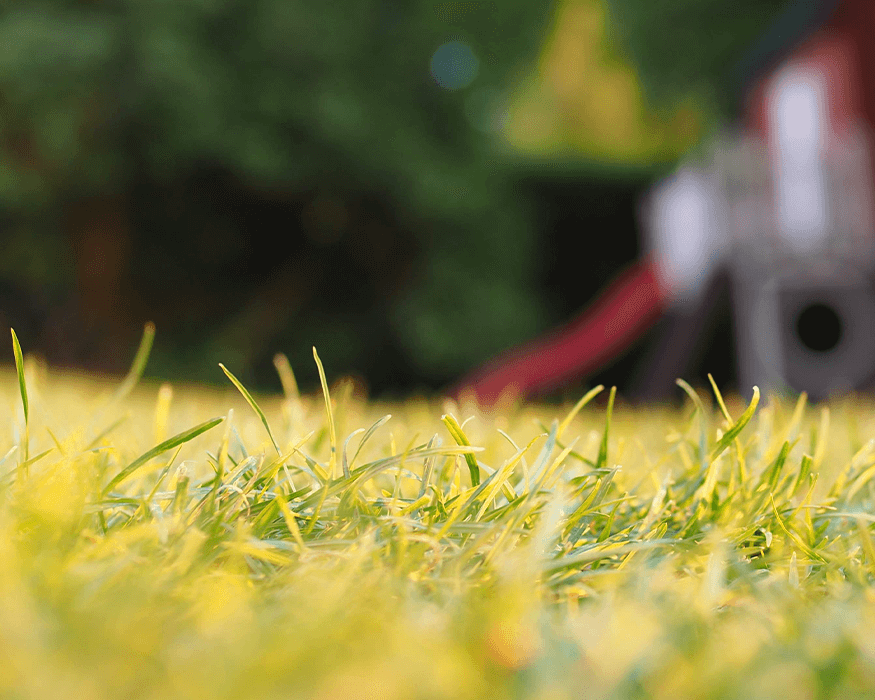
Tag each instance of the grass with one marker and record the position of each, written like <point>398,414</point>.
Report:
<point>212,544</point>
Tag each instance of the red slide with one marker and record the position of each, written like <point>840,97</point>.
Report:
<point>629,305</point>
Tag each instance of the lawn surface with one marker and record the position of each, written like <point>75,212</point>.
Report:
<point>186,542</point>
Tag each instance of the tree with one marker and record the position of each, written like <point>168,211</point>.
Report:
<point>708,47</point>
<point>297,101</point>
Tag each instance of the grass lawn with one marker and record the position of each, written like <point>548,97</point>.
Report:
<point>185,542</point>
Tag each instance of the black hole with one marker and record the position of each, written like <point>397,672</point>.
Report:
<point>819,327</point>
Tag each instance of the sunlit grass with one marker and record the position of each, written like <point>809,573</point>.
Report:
<point>195,543</point>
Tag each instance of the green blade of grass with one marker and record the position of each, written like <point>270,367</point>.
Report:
<point>138,366</point>
<point>369,434</point>
<point>22,386</point>
<point>287,377</point>
<point>428,465</point>
<point>793,536</point>
<point>57,442</point>
<point>175,441</point>
<point>796,418</point>
<point>461,439</point>
<point>8,455</point>
<point>344,462</point>
<point>603,448</point>
<point>332,430</point>
<point>733,432</point>
<point>543,457</point>
<point>589,396</point>
<point>720,401</point>
<point>819,439</point>
<point>291,523</point>
<point>739,454</point>
<point>107,431</point>
<point>506,470</point>
<point>804,469</point>
<point>866,540</point>
<point>858,483</point>
<point>19,367</point>
<point>602,552</point>
<point>772,473</point>
<point>253,404</point>
<point>372,469</point>
<point>163,475</point>
<point>700,409</point>
<point>34,460</point>
<point>348,464</point>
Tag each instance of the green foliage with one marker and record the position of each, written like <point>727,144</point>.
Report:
<point>291,98</point>
<point>698,47</point>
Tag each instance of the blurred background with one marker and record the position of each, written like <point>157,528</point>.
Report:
<point>412,187</point>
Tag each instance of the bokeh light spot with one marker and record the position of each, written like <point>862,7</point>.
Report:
<point>454,65</point>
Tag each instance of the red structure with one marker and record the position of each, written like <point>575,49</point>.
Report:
<point>784,202</point>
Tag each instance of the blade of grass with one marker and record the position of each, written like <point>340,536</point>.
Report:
<point>162,410</point>
<point>603,552</point>
<point>367,436</point>
<point>796,418</point>
<point>372,469</point>
<point>589,396</point>
<point>461,439</point>
<point>344,461</point>
<point>720,402</point>
<point>804,469</point>
<point>793,536</point>
<point>22,386</point>
<point>162,476</point>
<point>541,460</point>
<point>176,440</point>
<point>332,430</point>
<point>428,465</point>
<point>291,523</point>
<point>19,366</point>
<point>550,473</point>
<point>733,432</point>
<point>501,481</point>
<point>287,377</point>
<point>138,366</point>
<point>772,473</point>
<point>34,460</point>
<point>253,404</point>
<point>818,439</point>
<point>223,446</point>
<point>8,455</point>
<point>739,454</point>
<point>703,430</point>
<point>866,540</point>
<point>107,431</point>
<point>602,459</point>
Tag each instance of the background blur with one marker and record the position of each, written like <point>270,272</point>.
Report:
<point>405,185</point>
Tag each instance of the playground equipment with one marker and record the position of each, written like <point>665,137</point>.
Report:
<point>782,202</point>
